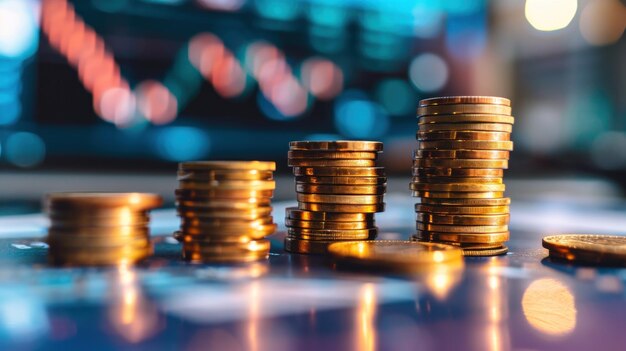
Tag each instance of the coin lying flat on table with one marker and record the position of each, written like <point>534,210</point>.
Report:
<point>224,194</point>
<point>228,185</point>
<point>456,180</point>
<point>459,163</point>
<point>339,145</point>
<point>302,246</point>
<point>587,248</point>
<point>394,255</point>
<point>453,100</point>
<point>103,200</point>
<point>330,234</point>
<point>501,250</point>
<point>479,126</point>
<point>249,214</point>
<point>447,228</point>
<point>466,118</point>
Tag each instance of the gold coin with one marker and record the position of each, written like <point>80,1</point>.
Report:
<point>458,195</point>
<point>341,199</point>
<point>462,210</point>
<point>453,187</point>
<point>301,246</point>
<point>297,214</point>
<point>590,248</point>
<point>464,229</point>
<point>466,144</point>
<point>485,127</point>
<point>472,220</point>
<point>298,162</point>
<point>221,175</point>
<point>497,237</point>
<point>446,180</point>
<point>341,208</point>
<point>458,172</point>
<point>339,145</point>
<point>223,194</point>
<point>486,252</point>
<point>332,155</point>
<point>459,163</point>
<point>254,232</point>
<point>340,189</point>
<point>504,201</point>
<point>343,180</point>
<point>223,204</point>
<point>396,255</point>
<point>453,100</point>
<point>243,214</point>
<point>328,234</point>
<point>228,165</point>
<point>134,201</point>
<point>102,251</point>
<point>340,171</point>
<point>246,185</point>
<point>466,118</point>
<point>462,109</point>
<point>463,246</point>
<point>328,225</point>
<point>463,135</point>
<point>462,154</point>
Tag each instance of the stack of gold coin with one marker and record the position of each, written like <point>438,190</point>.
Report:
<point>464,145</point>
<point>339,188</point>
<point>225,210</point>
<point>99,228</point>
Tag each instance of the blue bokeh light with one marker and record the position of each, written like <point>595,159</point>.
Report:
<point>397,97</point>
<point>182,143</point>
<point>358,117</point>
<point>24,149</point>
<point>280,10</point>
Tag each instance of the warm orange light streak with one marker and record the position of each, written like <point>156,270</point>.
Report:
<point>254,315</point>
<point>365,319</point>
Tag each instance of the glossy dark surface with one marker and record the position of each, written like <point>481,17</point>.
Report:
<point>520,301</point>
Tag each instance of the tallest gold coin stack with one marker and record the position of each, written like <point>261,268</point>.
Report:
<point>463,148</point>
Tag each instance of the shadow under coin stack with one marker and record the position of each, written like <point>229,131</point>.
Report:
<point>225,210</point>
<point>339,188</point>
<point>99,228</point>
<point>463,148</point>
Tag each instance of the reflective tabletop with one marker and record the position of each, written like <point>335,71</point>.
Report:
<point>519,301</point>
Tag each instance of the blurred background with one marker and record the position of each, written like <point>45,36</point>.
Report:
<point>111,94</point>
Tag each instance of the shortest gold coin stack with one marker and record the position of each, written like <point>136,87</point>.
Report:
<point>339,188</point>
<point>99,228</point>
<point>225,210</point>
<point>464,145</point>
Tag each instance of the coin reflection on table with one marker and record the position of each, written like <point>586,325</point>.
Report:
<point>550,307</point>
<point>132,315</point>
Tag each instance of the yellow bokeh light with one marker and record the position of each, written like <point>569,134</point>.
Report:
<point>549,306</point>
<point>549,15</point>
